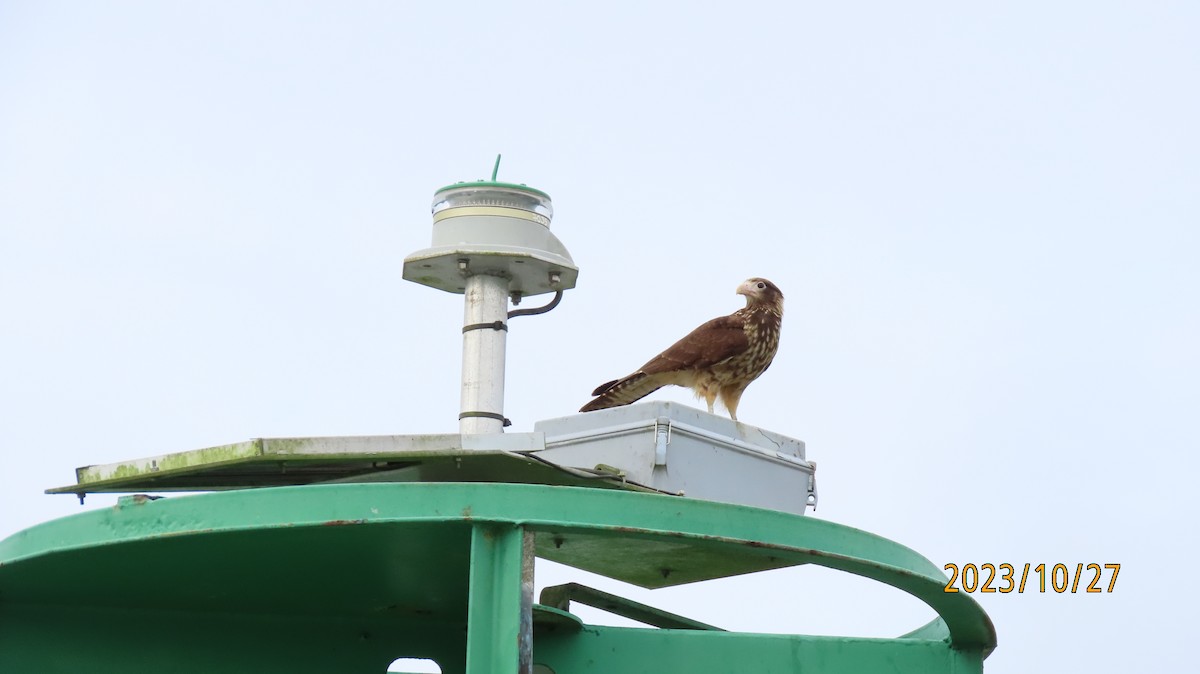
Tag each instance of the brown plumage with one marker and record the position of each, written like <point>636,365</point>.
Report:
<point>719,358</point>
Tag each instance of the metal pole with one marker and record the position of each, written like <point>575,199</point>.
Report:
<point>486,300</point>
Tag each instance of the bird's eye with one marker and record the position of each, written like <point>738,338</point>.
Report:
<point>761,285</point>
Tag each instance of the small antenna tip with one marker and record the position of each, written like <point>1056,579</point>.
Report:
<point>496,168</point>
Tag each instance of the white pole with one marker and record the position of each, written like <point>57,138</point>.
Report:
<point>483,354</point>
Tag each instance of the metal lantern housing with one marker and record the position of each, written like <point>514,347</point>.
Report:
<point>492,243</point>
<point>497,229</point>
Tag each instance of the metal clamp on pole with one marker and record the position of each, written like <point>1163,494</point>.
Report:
<point>485,415</point>
<point>494,325</point>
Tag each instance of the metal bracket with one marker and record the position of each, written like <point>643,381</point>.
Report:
<point>662,438</point>
<point>811,501</point>
<point>561,596</point>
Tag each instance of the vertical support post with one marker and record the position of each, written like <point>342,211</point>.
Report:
<point>483,354</point>
<point>500,601</point>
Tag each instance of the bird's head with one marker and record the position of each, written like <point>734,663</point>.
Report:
<point>760,291</point>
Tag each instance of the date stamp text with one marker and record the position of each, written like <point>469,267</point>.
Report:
<point>1006,578</point>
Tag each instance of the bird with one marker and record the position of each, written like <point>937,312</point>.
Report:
<point>718,359</point>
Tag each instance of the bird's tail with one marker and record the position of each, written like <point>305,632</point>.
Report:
<point>622,391</point>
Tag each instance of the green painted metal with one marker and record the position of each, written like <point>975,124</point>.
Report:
<point>492,183</point>
<point>645,651</point>
<point>561,596</point>
<point>500,602</point>
<point>348,577</point>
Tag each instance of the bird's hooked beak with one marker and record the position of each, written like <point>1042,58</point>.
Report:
<point>760,291</point>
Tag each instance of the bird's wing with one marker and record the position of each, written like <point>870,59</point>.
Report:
<point>703,347</point>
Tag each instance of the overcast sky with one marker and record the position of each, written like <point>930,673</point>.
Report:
<point>985,221</point>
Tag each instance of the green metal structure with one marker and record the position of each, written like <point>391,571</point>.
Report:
<point>345,554</point>
<point>350,577</point>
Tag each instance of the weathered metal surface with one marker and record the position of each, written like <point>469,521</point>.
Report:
<point>649,539</point>
<point>549,619</point>
<point>276,462</point>
<point>348,577</point>
<point>499,619</point>
<point>657,446</point>
<point>561,596</point>
<point>482,394</point>
<point>602,650</point>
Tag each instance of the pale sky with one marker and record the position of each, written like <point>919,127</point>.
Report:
<point>985,221</point>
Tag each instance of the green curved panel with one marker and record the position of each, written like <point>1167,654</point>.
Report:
<point>400,553</point>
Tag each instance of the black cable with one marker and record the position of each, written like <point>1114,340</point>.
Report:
<point>540,310</point>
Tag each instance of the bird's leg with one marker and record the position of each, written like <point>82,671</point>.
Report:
<point>730,397</point>
<point>705,388</point>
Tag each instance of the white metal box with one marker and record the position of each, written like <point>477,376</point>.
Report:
<point>683,450</point>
